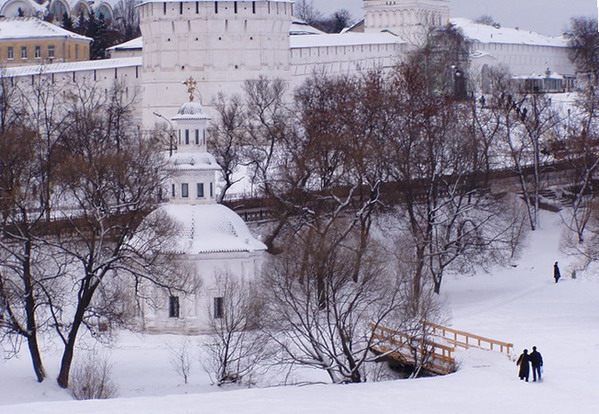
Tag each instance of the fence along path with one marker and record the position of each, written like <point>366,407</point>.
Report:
<point>438,348</point>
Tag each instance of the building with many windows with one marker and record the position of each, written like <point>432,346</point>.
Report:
<point>29,41</point>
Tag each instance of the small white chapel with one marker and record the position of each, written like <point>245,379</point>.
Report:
<point>213,240</point>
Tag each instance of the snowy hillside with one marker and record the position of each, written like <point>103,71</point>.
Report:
<point>519,304</point>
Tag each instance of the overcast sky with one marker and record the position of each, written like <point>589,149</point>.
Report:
<point>544,16</point>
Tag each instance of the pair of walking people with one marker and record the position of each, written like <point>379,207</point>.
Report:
<point>525,360</point>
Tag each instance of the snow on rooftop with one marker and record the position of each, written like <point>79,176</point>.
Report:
<point>211,228</point>
<point>72,66</point>
<point>489,34</point>
<point>300,27</point>
<point>345,39</point>
<point>132,44</point>
<point>31,27</point>
<point>202,161</point>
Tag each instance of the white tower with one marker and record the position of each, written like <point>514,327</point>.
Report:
<point>193,168</point>
<point>213,241</point>
<point>409,19</point>
<point>221,43</point>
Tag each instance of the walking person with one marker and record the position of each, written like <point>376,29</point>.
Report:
<point>556,274</point>
<point>523,362</point>
<point>536,360</point>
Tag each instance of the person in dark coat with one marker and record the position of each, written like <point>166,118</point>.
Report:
<point>523,362</point>
<point>536,360</point>
<point>556,273</point>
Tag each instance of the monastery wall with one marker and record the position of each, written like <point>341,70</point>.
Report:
<point>219,43</point>
<point>527,59</point>
<point>342,59</point>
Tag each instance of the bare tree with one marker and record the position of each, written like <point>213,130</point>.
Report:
<point>336,338</point>
<point>227,136</point>
<point>237,348</point>
<point>305,10</point>
<point>92,380</point>
<point>107,192</point>
<point>576,138</point>
<point>127,19</point>
<point>438,158</point>
<point>487,20</point>
<point>180,358</point>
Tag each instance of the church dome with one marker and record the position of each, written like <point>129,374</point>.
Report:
<point>191,111</point>
<point>211,228</point>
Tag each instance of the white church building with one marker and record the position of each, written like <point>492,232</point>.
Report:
<point>213,244</point>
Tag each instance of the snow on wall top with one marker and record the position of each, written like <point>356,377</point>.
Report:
<point>300,27</point>
<point>345,39</point>
<point>489,34</point>
<point>132,44</point>
<point>31,27</point>
<point>211,228</point>
<point>72,66</point>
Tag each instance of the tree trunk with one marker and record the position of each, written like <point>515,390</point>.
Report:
<point>32,342</point>
<point>69,348</point>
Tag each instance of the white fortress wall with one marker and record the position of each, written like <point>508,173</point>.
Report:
<point>100,74</point>
<point>527,59</point>
<point>335,54</point>
<point>219,43</point>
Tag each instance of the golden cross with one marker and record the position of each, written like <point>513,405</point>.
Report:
<point>191,84</point>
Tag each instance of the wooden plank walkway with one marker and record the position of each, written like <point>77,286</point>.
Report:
<point>436,350</point>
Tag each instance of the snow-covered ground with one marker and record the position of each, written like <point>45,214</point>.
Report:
<point>519,304</point>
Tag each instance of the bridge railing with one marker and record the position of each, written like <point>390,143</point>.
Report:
<point>398,345</point>
<point>467,340</point>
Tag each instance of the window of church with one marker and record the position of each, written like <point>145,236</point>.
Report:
<point>184,190</point>
<point>200,190</point>
<point>173,307</point>
<point>219,309</point>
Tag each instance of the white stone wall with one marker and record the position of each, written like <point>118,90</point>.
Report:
<point>337,60</point>
<point>526,59</point>
<point>196,310</point>
<point>220,44</point>
<point>409,19</point>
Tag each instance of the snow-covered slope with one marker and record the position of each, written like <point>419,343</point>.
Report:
<point>519,304</point>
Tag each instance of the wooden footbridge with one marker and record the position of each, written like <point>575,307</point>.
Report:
<point>434,350</point>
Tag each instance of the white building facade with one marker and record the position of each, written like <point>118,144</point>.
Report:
<point>222,43</point>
